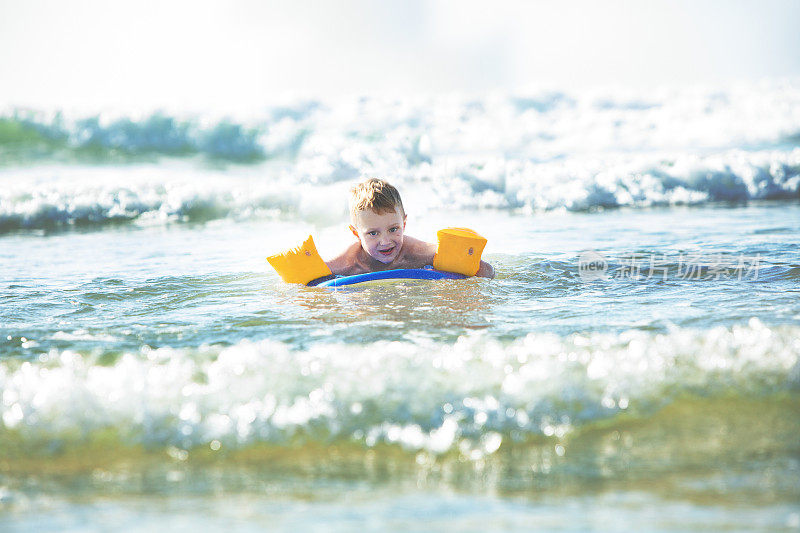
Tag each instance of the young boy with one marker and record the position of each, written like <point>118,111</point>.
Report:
<point>378,221</point>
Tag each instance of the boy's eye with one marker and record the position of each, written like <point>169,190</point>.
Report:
<point>392,230</point>
<point>373,233</point>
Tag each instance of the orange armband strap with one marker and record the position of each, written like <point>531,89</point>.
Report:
<point>301,264</point>
<point>459,251</point>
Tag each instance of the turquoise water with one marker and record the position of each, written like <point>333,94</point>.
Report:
<point>175,287</point>
<point>156,373</point>
<point>165,375</point>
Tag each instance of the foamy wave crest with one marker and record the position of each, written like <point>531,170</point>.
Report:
<point>537,126</point>
<point>96,196</point>
<point>579,184</point>
<point>64,197</point>
<point>470,396</point>
<point>537,151</point>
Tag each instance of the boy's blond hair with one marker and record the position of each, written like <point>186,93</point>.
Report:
<point>375,195</point>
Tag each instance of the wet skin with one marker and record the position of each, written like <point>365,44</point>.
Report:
<point>383,245</point>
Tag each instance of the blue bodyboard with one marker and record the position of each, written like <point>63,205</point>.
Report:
<point>399,273</point>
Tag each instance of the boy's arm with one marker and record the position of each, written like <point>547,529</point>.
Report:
<point>419,251</point>
<point>427,251</point>
<point>485,270</point>
<point>343,264</point>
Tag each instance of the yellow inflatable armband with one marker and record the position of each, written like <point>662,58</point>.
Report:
<point>459,251</point>
<point>301,264</point>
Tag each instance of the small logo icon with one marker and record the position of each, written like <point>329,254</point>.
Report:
<point>592,266</point>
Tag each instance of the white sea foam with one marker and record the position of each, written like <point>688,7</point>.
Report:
<point>66,196</point>
<point>537,151</point>
<point>470,395</point>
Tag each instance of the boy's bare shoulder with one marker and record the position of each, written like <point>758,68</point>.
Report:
<point>417,253</point>
<point>417,246</point>
<point>348,262</point>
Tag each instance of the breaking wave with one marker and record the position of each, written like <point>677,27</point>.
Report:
<point>469,397</point>
<point>534,152</point>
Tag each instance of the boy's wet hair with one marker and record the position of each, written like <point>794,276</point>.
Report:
<point>375,195</point>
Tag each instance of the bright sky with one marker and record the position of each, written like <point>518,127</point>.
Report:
<point>242,54</point>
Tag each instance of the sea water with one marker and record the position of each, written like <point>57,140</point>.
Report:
<point>633,366</point>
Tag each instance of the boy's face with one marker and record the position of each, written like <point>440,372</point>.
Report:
<point>381,235</point>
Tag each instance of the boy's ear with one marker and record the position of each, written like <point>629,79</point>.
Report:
<point>404,221</point>
<point>355,231</point>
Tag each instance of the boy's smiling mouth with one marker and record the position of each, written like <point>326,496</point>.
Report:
<point>387,252</point>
